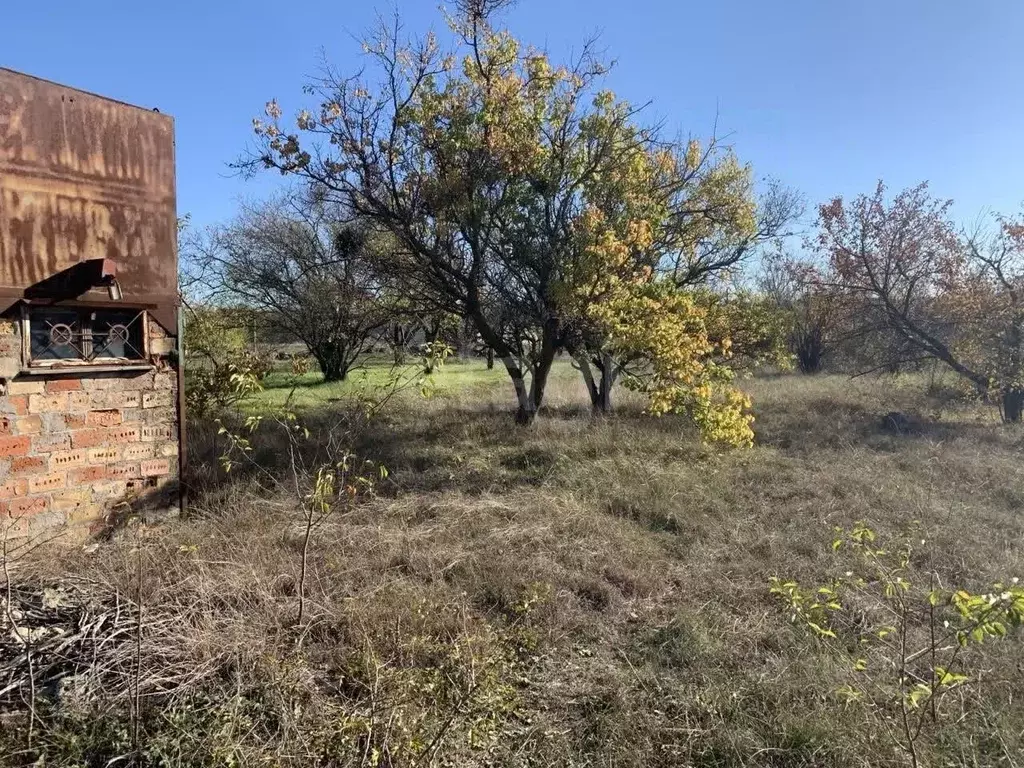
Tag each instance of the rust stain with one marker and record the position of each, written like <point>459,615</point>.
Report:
<point>84,177</point>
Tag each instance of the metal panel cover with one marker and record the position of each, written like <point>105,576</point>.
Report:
<point>84,177</point>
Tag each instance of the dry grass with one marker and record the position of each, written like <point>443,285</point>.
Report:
<point>577,593</point>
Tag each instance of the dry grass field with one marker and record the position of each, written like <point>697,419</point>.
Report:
<point>578,593</point>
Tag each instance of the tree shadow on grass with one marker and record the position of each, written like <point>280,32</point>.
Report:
<point>425,447</point>
<point>826,423</point>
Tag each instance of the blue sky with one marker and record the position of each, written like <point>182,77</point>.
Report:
<point>828,96</point>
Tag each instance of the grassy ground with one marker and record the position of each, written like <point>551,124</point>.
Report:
<point>454,379</point>
<point>579,593</point>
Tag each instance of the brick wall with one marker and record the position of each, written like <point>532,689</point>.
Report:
<point>77,449</point>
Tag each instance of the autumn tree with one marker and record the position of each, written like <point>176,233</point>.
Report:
<point>509,183</point>
<point>909,275</point>
<point>987,295</point>
<point>706,233</point>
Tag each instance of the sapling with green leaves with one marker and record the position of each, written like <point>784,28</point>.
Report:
<point>903,641</point>
<point>343,479</point>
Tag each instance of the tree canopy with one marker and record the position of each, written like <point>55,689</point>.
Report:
<point>527,198</point>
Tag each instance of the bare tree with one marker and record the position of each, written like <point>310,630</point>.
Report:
<point>309,271</point>
<point>811,311</point>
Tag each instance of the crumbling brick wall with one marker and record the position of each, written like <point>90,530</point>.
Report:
<point>79,449</point>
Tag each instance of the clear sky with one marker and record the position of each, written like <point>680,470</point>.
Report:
<point>827,95</point>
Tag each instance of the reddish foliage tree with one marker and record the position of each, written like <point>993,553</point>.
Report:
<point>908,276</point>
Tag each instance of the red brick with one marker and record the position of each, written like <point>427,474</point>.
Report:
<point>54,441</point>
<point>123,471</point>
<point>65,459</point>
<point>127,433</point>
<point>16,486</point>
<point>159,432</point>
<point>14,446</point>
<point>44,483</point>
<point>136,451</point>
<point>27,507</point>
<point>88,438</point>
<point>103,418</point>
<point>155,467</point>
<point>30,425</point>
<point>103,455</point>
<point>24,464</point>
<point>87,475</point>
<point>19,403</point>
<point>63,385</point>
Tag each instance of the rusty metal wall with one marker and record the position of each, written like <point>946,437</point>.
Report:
<point>84,177</point>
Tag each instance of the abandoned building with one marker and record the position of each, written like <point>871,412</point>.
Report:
<point>90,386</point>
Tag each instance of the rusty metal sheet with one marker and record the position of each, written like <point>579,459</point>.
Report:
<point>85,177</point>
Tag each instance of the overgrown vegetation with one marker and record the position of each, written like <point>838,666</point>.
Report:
<point>584,592</point>
<point>378,570</point>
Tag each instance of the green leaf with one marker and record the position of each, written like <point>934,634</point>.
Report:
<point>821,630</point>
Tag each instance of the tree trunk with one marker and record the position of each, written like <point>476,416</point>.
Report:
<point>528,401</point>
<point>542,369</point>
<point>599,389</point>
<point>1013,405</point>
<point>807,347</point>
<point>588,379</point>
<point>333,363</point>
<point>540,378</point>
<point>604,393</point>
<point>333,371</point>
<point>527,411</point>
<point>490,359</point>
<point>398,343</point>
